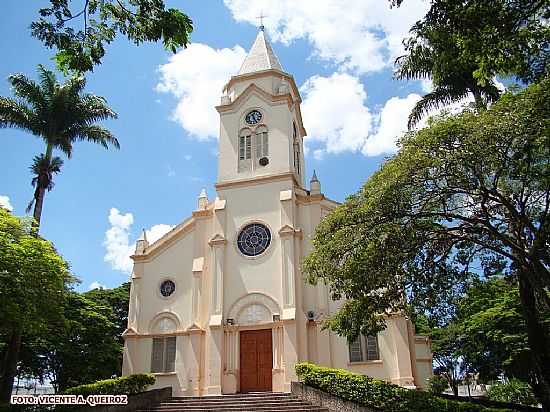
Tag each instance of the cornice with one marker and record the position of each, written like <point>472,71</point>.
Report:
<point>166,240</point>
<point>264,73</point>
<point>258,180</point>
<point>279,98</point>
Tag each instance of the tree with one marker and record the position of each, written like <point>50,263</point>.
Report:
<point>462,45</point>
<point>86,346</point>
<point>87,349</point>
<point>101,21</point>
<point>469,191</point>
<point>60,114</point>
<point>32,280</point>
<point>118,300</point>
<point>494,333</point>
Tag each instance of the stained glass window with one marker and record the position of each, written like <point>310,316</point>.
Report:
<point>254,239</point>
<point>167,288</point>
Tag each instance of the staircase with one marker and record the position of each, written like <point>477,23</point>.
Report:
<point>258,401</point>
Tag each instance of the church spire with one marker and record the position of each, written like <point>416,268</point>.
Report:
<point>261,56</point>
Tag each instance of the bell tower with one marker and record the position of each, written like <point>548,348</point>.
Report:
<point>261,130</point>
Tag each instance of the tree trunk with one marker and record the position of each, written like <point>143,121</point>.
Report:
<point>10,365</point>
<point>40,193</point>
<point>539,342</point>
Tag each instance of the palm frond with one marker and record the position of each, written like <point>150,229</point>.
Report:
<point>15,114</point>
<point>96,134</point>
<point>92,108</point>
<point>28,90</point>
<point>441,96</point>
<point>48,81</point>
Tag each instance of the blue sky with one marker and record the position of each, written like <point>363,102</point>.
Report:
<point>340,53</point>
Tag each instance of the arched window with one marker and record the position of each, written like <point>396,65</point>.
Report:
<point>245,144</point>
<point>163,353</point>
<point>262,149</point>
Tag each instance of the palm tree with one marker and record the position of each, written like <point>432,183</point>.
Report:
<point>433,54</point>
<point>60,114</point>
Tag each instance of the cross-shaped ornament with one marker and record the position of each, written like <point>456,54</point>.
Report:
<point>261,17</point>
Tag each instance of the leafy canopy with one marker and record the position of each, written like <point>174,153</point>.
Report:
<point>469,193</point>
<point>80,48</point>
<point>32,278</point>
<point>462,45</point>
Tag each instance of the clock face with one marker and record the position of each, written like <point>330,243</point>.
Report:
<point>253,117</point>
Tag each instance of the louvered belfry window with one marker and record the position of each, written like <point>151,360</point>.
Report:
<point>262,149</point>
<point>364,348</point>
<point>163,358</point>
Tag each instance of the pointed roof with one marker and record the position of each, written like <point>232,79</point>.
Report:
<point>261,56</point>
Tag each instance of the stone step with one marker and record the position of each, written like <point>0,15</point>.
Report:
<point>257,401</point>
<point>250,395</point>
<point>310,408</point>
<point>234,403</point>
<point>234,406</point>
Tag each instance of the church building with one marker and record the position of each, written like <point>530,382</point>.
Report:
<point>219,305</point>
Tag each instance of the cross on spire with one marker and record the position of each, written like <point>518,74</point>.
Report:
<point>261,17</point>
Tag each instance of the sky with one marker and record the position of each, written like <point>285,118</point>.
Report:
<point>340,53</point>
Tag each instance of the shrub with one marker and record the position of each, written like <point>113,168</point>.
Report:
<point>437,384</point>
<point>379,394</point>
<point>514,391</point>
<point>125,385</point>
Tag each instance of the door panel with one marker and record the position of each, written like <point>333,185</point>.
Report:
<point>256,360</point>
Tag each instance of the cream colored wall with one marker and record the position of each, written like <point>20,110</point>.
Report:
<point>261,274</point>
<point>174,262</point>
<point>277,119</point>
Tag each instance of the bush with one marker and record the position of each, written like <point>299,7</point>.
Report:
<point>514,391</point>
<point>125,385</point>
<point>437,384</point>
<point>379,394</point>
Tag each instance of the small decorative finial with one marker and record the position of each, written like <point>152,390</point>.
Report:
<point>261,17</point>
<point>143,235</point>
<point>314,185</point>
<point>142,243</point>
<point>203,199</point>
<point>314,177</point>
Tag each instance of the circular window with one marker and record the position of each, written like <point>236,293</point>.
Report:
<point>167,288</point>
<point>254,239</point>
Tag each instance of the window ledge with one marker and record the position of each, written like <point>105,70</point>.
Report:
<point>163,373</point>
<point>370,362</point>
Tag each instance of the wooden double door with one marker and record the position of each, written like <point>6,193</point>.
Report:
<point>256,360</point>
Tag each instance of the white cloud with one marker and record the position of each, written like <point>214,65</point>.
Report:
<point>362,36</point>
<point>335,114</point>
<point>117,240</point>
<point>96,285</point>
<point>392,123</point>
<point>157,231</point>
<point>196,76</point>
<point>5,203</point>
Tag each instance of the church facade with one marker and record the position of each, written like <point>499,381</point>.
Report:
<point>218,305</point>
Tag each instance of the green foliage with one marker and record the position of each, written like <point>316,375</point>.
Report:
<point>494,333</point>
<point>118,300</point>
<point>139,20</point>
<point>514,391</point>
<point>32,277</point>
<point>462,45</point>
<point>437,384</point>
<point>125,385</point>
<point>378,394</point>
<point>464,193</point>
